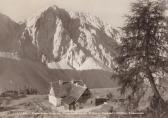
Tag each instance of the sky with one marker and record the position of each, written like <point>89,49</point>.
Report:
<point>111,11</point>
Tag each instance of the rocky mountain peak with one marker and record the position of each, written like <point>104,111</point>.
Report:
<point>70,36</point>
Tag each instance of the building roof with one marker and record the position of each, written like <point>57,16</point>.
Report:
<point>70,92</point>
<point>60,90</point>
<point>68,100</point>
<point>75,93</point>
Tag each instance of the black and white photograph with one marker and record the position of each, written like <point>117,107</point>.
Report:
<point>83,58</point>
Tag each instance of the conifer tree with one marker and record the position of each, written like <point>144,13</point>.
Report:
<point>144,47</point>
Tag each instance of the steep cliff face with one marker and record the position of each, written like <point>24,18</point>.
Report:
<point>9,34</point>
<point>78,39</point>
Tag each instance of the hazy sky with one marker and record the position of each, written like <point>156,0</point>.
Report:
<point>112,11</point>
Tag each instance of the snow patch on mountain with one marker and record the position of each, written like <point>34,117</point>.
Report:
<point>90,64</point>
<point>59,65</point>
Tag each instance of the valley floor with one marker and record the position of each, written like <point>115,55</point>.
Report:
<point>37,106</point>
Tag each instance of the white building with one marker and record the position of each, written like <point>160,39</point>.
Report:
<point>56,101</point>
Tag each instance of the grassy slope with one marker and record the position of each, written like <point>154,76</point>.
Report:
<point>36,104</point>
<point>15,74</point>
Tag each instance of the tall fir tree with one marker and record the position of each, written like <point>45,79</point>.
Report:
<point>143,53</point>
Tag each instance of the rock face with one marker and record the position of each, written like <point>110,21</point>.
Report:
<point>77,38</point>
<point>9,34</point>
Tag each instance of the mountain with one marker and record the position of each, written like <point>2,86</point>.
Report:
<point>9,34</point>
<point>56,44</point>
<point>55,34</point>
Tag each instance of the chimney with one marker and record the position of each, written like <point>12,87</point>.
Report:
<point>84,86</point>
<point>60,82</point>
<point>76,84</point>
<point>72,81</point>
